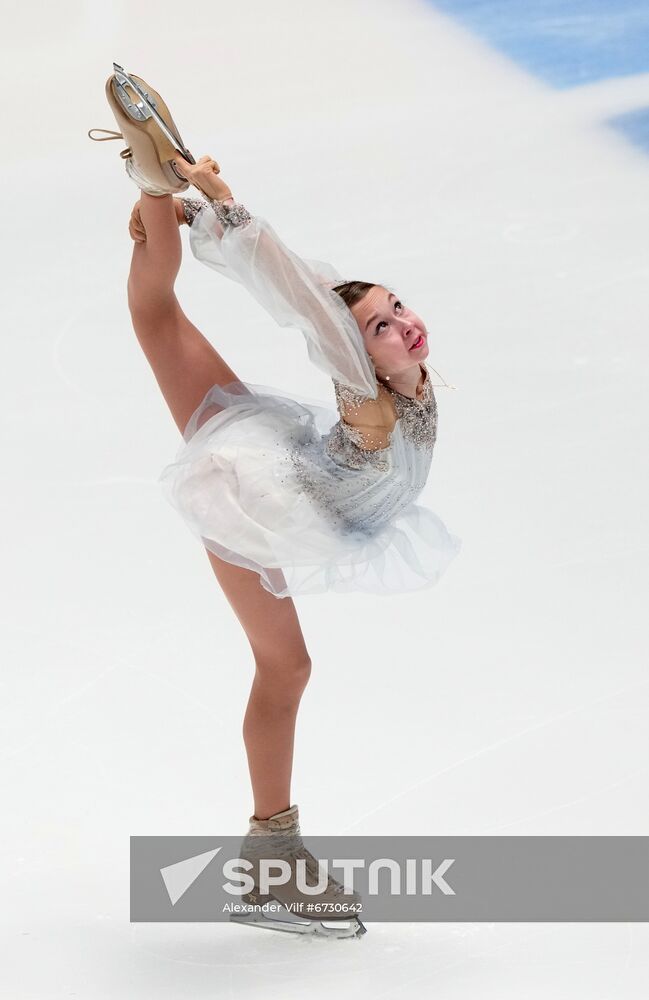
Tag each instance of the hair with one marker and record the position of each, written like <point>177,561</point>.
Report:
<point>352,292</point>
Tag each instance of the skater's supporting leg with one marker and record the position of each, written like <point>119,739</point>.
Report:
<point>185,366</point>
<point>282,671</point>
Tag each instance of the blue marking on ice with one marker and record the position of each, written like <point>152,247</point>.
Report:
<point>634,125</point>
<point>565,42</point>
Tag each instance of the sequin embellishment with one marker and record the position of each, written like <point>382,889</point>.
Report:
<point>191,208</point>
<point>346,445</point>
<point>231,215</point>
<point>418,417</point>
<point>228,215</point>
<point>348,397</point>
<point>417,422</point>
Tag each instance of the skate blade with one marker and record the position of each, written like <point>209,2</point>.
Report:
<point>294,924</point>
<point>146,108</point>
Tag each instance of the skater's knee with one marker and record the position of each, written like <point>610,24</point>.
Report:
<point>304,671</point>
<point>283,678</point>
<point>152,312</point>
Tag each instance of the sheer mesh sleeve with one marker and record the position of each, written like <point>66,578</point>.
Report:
<point>295,292</point>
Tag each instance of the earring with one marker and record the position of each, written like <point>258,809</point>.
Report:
<point>386,377</point>
<point>445,383</point>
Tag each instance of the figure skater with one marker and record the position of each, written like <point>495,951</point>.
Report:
<point>287,496</point>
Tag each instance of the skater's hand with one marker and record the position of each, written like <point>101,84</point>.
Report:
<point>136,226</point>
<point>204,175</point>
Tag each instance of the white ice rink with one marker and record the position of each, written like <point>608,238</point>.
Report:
<point>391,139</point>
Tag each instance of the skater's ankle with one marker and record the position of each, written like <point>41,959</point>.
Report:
<point>155,197</point>
<point>180,212</point>
<point>263,814</point>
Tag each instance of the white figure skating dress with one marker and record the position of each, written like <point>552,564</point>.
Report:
<point>283,486</point>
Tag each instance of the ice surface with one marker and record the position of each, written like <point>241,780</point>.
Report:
<point>504,190</point>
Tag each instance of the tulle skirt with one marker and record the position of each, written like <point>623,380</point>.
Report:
<point>254,483</point>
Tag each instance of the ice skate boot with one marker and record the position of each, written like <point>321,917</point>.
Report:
<point>329,913</point>
<point>152,135</point>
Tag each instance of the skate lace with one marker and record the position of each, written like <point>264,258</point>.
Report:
<point>110,134</point>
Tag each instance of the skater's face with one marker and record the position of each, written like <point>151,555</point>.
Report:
<point>390,329</point>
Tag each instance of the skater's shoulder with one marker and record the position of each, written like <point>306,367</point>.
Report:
<point>367,421</point>
<point>364,411</point>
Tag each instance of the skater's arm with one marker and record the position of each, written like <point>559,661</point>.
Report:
<point>296,292</point>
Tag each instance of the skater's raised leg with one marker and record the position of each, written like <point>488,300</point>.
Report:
<point>185,366</point>
<point>183,361</point>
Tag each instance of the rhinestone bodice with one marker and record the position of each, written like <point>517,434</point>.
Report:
<point>416,422</point>
<point>358,488</point>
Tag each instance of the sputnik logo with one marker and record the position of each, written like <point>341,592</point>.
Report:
<point>180,876</point>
